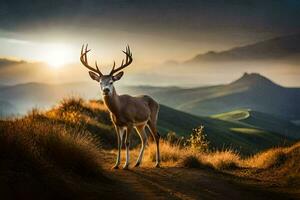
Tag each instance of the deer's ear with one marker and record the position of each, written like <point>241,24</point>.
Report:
<point>118,76</point>
<point>94,76</point>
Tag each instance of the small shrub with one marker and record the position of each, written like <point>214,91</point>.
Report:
<point>198,141</point>
<point>172,137</point>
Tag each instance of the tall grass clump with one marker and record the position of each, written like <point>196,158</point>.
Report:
<point>223,160</point>
<point>89,115</point>
<point>45,158</point>
<point>169,152</point>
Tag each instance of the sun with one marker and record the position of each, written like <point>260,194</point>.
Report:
<point>57,55</point>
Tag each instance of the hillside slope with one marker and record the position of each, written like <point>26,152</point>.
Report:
<point>263,121</point>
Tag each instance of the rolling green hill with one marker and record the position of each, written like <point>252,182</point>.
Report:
<point>263,121</point>
<point>245,137</point>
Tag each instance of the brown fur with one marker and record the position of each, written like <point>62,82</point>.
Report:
<point>139,112</point>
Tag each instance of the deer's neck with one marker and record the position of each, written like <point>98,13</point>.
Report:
<point>112,102</point>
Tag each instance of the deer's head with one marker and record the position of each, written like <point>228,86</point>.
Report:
<point>106,81</point>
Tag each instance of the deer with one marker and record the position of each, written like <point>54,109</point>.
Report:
<point>126,112</point>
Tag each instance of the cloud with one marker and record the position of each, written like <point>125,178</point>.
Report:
<point>178,19</point>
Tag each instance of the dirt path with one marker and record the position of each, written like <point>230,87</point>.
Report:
<point>180,183</point>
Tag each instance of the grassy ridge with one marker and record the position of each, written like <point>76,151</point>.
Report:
<point>94,117</point>
<point>59,153</point>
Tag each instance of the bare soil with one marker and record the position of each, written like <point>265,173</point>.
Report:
<point>167,182</point>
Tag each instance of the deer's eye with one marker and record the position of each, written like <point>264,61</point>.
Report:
<point>111,82</point>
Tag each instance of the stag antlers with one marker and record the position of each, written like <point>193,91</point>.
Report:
<point>128,61</point>
<point>84,61</point>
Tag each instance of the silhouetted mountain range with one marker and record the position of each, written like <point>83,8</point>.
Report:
<point>272,49</point>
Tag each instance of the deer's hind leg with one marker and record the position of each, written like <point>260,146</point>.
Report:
<point>156,137</point>
<point>141,131</point>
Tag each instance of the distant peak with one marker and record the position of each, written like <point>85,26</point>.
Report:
<point>254,79</point>
<point>253,76</point>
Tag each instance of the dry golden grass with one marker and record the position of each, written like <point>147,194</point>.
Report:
<point>271,158</point>
<point>221,160</point>
<point>48,144</point>
<point>169,152</point>
<point>50,154</point>
<point>175,155</point>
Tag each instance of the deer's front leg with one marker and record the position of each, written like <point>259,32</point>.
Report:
<point>119,132</point>
<point>127,144</point>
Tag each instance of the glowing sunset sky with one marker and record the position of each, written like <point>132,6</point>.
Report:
<point>157,31</point>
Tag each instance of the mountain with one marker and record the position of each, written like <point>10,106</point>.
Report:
<point>272,49</point>
<point>251,91</point>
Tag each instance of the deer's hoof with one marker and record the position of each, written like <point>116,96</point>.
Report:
<point>137,164</point>
<point>115,167</point>
<point>125,167</point>
<point>157,165</point>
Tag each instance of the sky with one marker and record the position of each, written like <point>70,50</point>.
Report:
<point>157,31</point>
